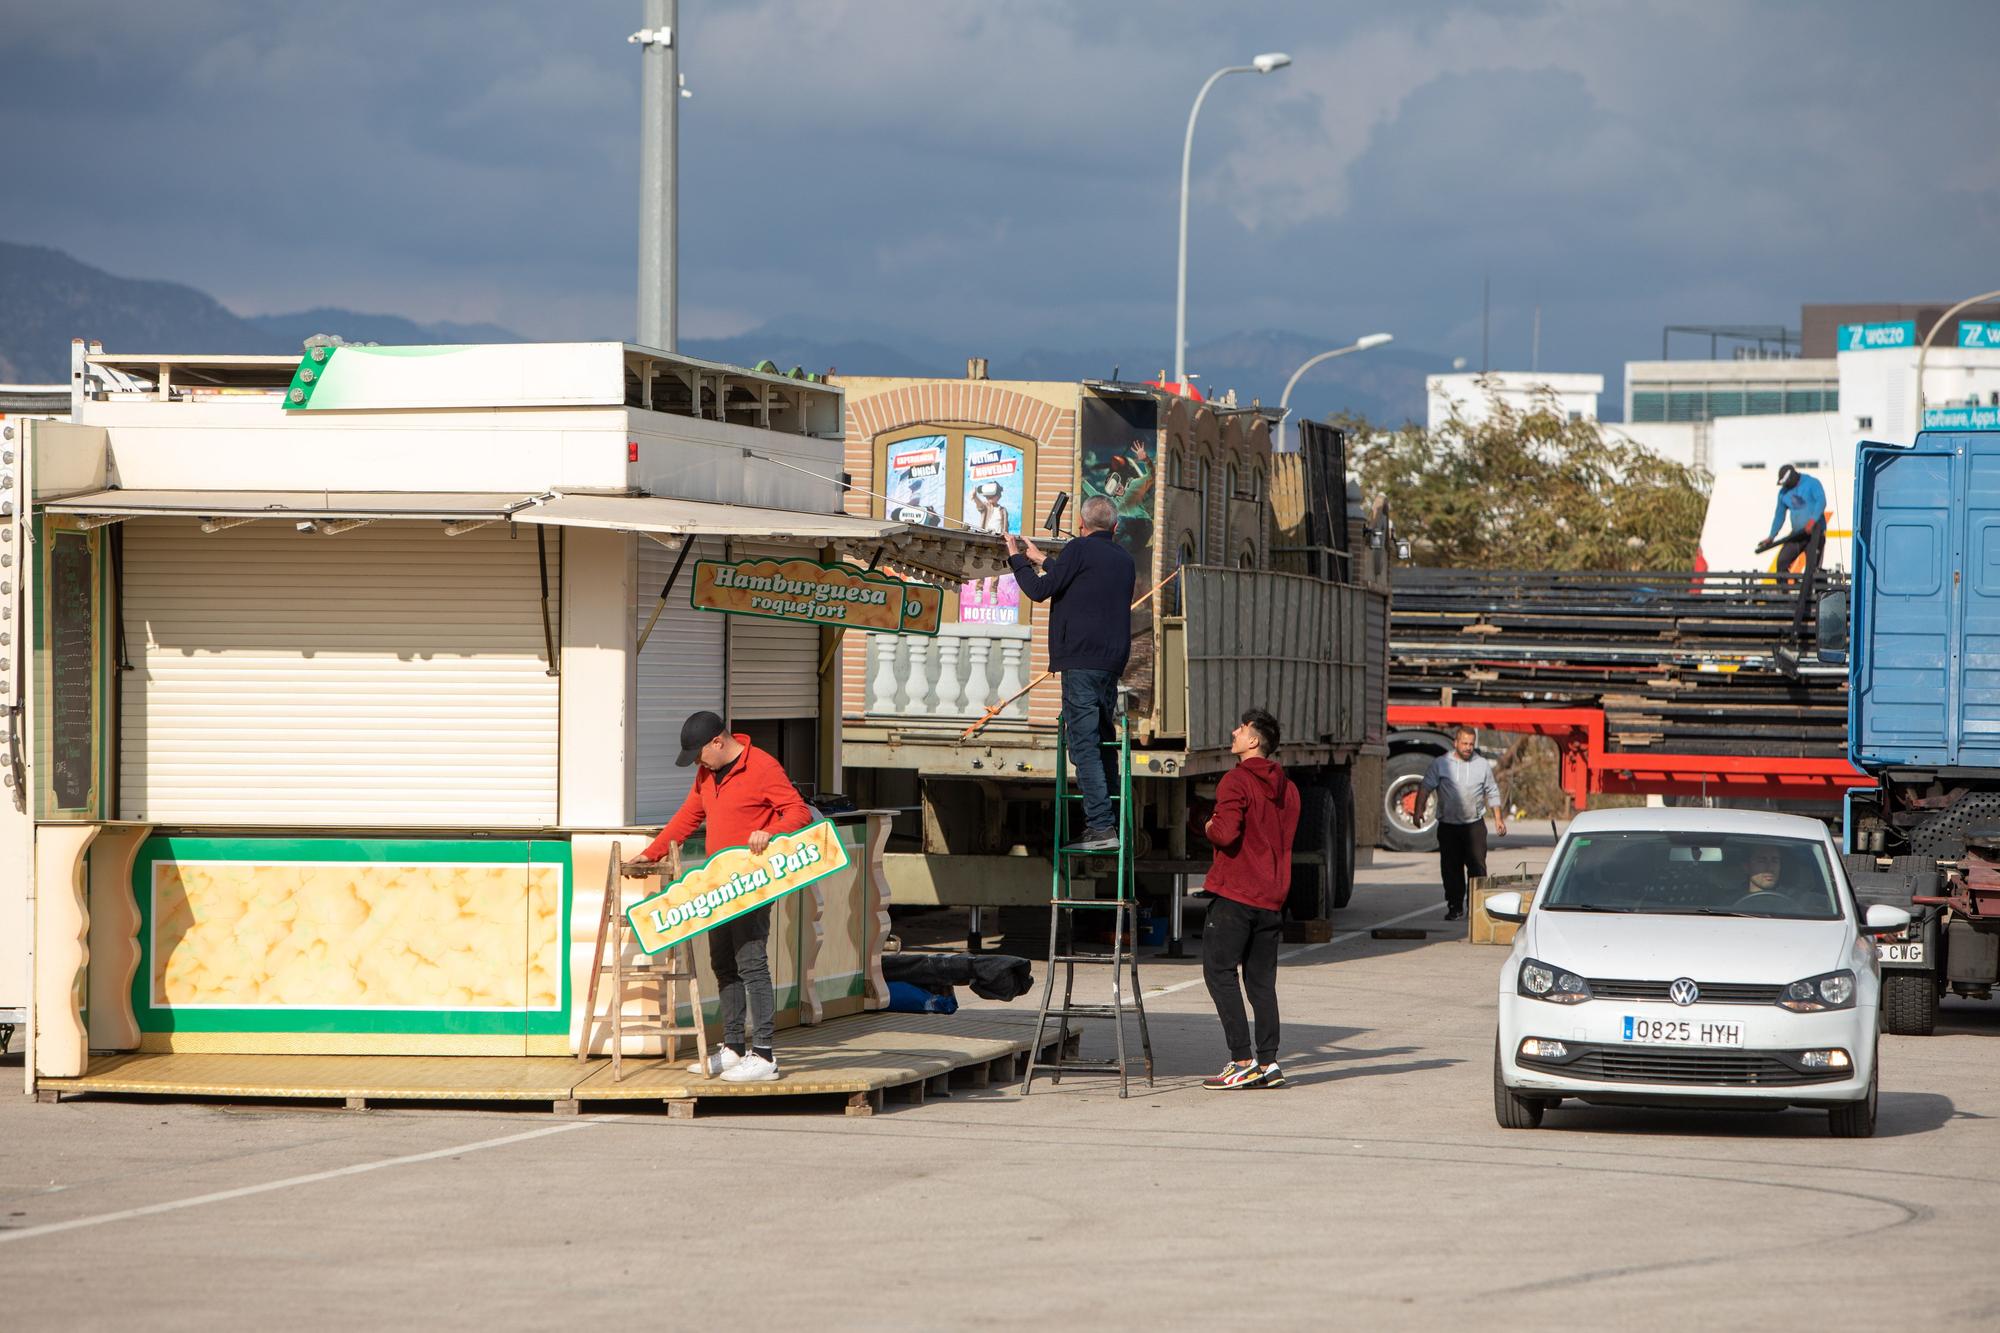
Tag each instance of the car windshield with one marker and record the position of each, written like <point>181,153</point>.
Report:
<point>1700,874</point>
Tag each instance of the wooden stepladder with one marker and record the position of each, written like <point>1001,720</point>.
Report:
<point>672,969</point>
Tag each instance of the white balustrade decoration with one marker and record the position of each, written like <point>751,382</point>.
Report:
<point>960,672</point>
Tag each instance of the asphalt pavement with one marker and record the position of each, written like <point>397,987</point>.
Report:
<point>1374,1191</point>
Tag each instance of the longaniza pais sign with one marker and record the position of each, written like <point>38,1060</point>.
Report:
<point>837,596</point>
<point>734,881</point>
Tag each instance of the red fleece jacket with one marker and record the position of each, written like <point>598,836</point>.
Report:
<point>754,794</point>
<point>1256,817</point>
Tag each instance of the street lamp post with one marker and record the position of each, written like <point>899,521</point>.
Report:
<point>1264,64</point>
<point>1923,353</point>
<point>1358,345</point>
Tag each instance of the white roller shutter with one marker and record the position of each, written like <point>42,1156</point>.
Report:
<point>773,664</point>
<point>680,672</point>
<point>389,675</point>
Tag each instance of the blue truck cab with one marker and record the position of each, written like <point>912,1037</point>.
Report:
<point>1924,713</point>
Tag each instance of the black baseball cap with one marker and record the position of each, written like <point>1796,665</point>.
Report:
<point>699,729</point>
<point>1787,476</point>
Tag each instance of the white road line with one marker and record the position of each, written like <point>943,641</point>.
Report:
<point>1323,944</point>
<point>222,1196</point>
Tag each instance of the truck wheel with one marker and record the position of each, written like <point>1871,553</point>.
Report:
<point>1315,888</point>
<point>1343,838</point>
<point>1909,1004</point>
<point>1512,1110</point>
<point>1402,776</point>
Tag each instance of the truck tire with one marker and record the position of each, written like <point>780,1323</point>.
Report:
<point>1909,1003</point>
<point>1401,777</point>
<point>1315,887</point>
<point>1343,837</point>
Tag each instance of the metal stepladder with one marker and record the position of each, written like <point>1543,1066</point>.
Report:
<point>670,969</point>
<point>1064,906</point>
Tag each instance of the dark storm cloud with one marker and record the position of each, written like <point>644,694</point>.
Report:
<point>993,175</point>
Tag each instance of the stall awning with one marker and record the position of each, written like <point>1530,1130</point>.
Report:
<point>446,505</point>
<point>931,553</point>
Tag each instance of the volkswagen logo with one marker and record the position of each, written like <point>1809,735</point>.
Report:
<point>1683,992</point>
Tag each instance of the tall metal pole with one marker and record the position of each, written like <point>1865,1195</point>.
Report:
<point>1485,317</point>
<point>1180,290</point>
<point>659,184</point>
<point>1263,64</point>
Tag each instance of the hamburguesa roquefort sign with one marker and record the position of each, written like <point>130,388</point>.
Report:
<point>734,881</point>
<point>837,596</point>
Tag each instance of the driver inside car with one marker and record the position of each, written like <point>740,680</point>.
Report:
<point>1762,871</point>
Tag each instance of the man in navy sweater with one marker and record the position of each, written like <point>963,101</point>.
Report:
<point>1090,639</point>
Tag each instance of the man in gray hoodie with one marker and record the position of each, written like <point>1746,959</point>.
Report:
<point>1466,789</point>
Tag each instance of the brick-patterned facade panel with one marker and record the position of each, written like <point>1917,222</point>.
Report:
<point>957,403</point>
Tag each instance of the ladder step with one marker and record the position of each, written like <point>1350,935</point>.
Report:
<point>664,974</point>
<point>1090,902</point>
<point>650,1029</point>
<point>1092,1010</point>
<point>1118,958</point>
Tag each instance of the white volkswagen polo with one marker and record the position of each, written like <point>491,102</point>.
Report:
<point>1691,957</point>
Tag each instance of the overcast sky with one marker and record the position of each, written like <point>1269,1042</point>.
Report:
<point>986,176</point>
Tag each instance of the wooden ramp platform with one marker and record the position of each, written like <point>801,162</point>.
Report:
<point>860,1059</point>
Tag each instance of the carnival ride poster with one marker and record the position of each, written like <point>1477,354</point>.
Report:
<point>915,484</point>
<point>993,492</point>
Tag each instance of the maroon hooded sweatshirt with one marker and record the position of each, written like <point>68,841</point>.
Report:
<point>1256,817</point>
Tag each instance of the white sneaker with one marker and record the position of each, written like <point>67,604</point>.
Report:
<point>752,1068</point>
<point>719,1060</point>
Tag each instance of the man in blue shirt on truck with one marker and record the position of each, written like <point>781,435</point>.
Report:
<point>1090,641</point>
<point>1802,497</point>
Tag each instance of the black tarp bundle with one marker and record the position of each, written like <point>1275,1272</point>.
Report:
<point>992,976</point>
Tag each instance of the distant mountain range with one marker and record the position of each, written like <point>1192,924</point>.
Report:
<point>47,298</point>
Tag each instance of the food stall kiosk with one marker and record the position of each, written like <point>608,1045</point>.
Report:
<point>342,676</point>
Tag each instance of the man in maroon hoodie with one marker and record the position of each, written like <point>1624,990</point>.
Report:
<point>1256,816</point>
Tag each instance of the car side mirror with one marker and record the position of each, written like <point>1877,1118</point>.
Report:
<point>1509,906</point>
<point>1882,919</point>
<point>1830,636</point>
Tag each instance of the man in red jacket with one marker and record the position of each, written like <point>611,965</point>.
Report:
<point>742,796</point>
<point>1256,817</point>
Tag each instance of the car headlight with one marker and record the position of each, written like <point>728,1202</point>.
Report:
<point>1829,990</point>
<point>1540,981</point>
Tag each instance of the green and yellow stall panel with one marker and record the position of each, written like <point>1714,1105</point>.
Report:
<point>328,945</point>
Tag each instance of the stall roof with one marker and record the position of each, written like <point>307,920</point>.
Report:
<point>120,503</point>
<point>930,553</point>
<point>669,516</point>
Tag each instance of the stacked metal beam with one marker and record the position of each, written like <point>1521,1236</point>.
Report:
<point>1685,663</point>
